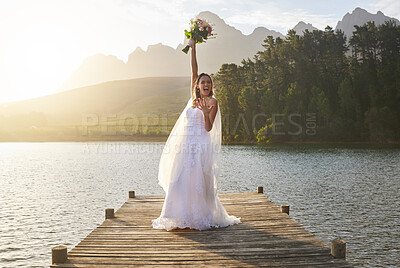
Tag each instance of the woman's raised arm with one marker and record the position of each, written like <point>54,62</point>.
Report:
<point>193,62</point>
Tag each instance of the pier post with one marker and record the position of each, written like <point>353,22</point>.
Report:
<point>338,249</point>
<point>59,254</point>
<point>285,209</point>
<point>260,189</point>
<point>109,213</point>
<point>132,194</point>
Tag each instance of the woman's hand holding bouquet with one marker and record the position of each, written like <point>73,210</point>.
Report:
<point>199,32</point>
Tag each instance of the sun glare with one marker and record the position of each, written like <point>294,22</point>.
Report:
<point>39,58</point>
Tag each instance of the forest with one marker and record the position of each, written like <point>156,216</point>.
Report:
<point>315,87</point>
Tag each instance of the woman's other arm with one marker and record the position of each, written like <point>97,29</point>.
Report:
<point>209,112</point>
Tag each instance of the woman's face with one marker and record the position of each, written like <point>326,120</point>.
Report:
<point>205,86</point>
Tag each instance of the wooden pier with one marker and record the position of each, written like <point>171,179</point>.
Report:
<point>266,237</point>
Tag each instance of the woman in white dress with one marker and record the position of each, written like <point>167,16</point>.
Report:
<point>189,163</point>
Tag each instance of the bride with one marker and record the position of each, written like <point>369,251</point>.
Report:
<point>189,163</point>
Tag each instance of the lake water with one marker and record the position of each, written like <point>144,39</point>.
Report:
<point>55,193</point>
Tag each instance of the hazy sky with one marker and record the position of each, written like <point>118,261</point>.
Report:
<point>43,41</point>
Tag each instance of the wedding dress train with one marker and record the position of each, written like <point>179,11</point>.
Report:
<point>188,174</point>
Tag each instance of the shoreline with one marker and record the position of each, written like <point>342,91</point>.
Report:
<point>164,139</point>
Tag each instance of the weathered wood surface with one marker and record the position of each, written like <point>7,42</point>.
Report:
<point>266,237</point>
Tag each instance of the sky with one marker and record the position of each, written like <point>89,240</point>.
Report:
<point>43,41</point>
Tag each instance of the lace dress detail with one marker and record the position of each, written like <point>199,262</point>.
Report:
<point>191,200</point>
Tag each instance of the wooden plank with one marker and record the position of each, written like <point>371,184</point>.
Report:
<point>266,237</point>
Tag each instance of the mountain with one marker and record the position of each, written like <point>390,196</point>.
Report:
<point>230,46</point>
<point>302,26</point>
<point>97,69</point>
<point>359,17</point>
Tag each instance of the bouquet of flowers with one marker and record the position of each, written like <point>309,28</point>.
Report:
<point>200,31</point>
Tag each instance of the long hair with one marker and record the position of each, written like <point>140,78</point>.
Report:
<point>196,89</point>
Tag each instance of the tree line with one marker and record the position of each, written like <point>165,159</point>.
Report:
<point>315,87</point>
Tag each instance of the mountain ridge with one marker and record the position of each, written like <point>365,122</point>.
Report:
<point>359,17</point>
<point>157,58</point>
<point>162,60</point>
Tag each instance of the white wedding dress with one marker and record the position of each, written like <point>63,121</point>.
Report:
<point>188,171</point>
